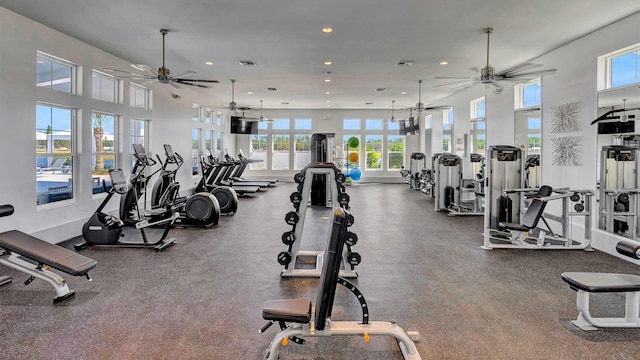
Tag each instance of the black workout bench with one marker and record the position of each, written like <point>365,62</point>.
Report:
<point>307,321</point>
<point>586,283</point>
<point>15,244</point>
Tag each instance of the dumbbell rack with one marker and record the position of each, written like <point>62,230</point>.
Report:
<point>336,196</point>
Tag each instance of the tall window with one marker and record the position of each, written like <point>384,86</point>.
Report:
<point>208,114</point>
<point>373,149</point>
<point>195,151</point>
<point>395,152</point>
<point>258,152</point>
<point>447,127</point>
<point>528,94</point>
<point>280,152</point>
<point>104,87</point>
<point>624,68</point>
<point>103,146</point>
<point>302,151</point>
<point>218,119</point>
<point>195,113</point>
<point>208,140</point>
<point>54,153</point>
<point>137,134</point>
<point>478,118</point>
<point>139,96</point>
<point>218,142</point>
<point>54,73</point>
<point>534,135</point>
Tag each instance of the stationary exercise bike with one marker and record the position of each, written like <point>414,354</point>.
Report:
<point>201,209</point>
<point>106,230</point>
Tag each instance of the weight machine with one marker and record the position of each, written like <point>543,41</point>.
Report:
<point>471,190</point>
<point>447,176</point>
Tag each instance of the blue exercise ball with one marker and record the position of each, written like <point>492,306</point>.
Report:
<point>356,174</point>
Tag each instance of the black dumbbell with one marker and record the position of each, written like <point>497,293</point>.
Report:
<point>284,258</point>
<point>298,178</point>
<point>343,199</point>
<point>340,178</point>
<point>354,258</point>
<point>288,238</point>
<point>295,197</point>
<point>351,239</point>
<point>299,188</point>
<point>578,207</point>
<point>292,218</point>
<point>350,219</point>
<point>623,198</point>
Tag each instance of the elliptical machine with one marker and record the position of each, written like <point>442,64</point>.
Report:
<point>201,209</point>
<point>106,230</point>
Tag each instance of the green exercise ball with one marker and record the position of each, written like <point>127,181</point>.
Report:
<point>353,142</point>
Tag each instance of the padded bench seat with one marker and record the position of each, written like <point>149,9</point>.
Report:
<point>602,282</point>
<point>294,310</point>
<point>46,253</point>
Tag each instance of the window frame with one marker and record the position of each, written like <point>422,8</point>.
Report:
<point>73,73</point>
<point>115,91</point>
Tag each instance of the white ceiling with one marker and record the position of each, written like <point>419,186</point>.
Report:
<point>284,38</point>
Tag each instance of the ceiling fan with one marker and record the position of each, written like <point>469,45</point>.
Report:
<point>420,106</point>
<point>491,78</point>
<point>233,106</point>
<point>163,75</point>
<point>614,114</point>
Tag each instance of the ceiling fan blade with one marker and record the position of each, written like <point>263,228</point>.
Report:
<point>451,83</point>
<point>198,80</point>
<point>198,85</point>
<point>520,67</point>
<point>144,68</point>
<point>174,85</point>
<point>126,74</point>
<point>532,73</point>
<point>181,75</point>
<point>455,77</point>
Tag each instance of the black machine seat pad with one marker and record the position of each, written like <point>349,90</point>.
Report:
<point>514,226</point>
<point>46,253</point>
<point>294,310</point>
<point>602,282</point>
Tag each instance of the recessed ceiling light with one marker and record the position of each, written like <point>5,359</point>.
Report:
<point>247,62</point>
<point>328,101</point>
<point>444,62</point>
<point>404,93</point>
<point>250,92</point>
<point>328,62</point>
<point>327,29</point>
<point>208,62</point>
<point>328,105</point>
<point>327,80</point>
<point>327,92</point>
<point>405,63</point>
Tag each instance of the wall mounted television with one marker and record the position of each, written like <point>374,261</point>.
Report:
<point>242,125</point>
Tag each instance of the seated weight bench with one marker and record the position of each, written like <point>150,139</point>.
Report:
<point>308,321</point>
<point>531,217</point>
<point>586,283</point>
<point>15,244</point>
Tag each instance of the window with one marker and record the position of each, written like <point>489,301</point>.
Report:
<point>303,124</point>
<point>195,151</point>
<point>208,114</point>
<point>373,124</point>
<point>208,138</point>
<point>302,151</point>
<point>258,152</point>
<point>373,149</point>
<point>528,94</point>
<point>139,96</point>
<point>446,143</point>
<point>447,121</point>
<point>103,146</point>
<point>218,119</point>
<point>54,153</point>
<point>195,113</point>
<point>137,134</point>
<point>218,142</point>
<point>624,68</point>
<point>351,124</point>
<point>263,125</point>
<point>534,137</point>
<point>54,73</point>
<point>477,108</point>
<point>280,152</point>
<point>280,124</point>
<point>395,152</point>
<point>428,122</point>
<point>104,87</point>
<point>478,141</point>
<point>393,125</point>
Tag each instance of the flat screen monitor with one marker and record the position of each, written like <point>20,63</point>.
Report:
<point>240,125</point>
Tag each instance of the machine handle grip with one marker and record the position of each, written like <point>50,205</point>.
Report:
<point>6,210</point>
<point>628,248</point>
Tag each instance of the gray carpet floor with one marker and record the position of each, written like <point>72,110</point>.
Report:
<point>202,298</point>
